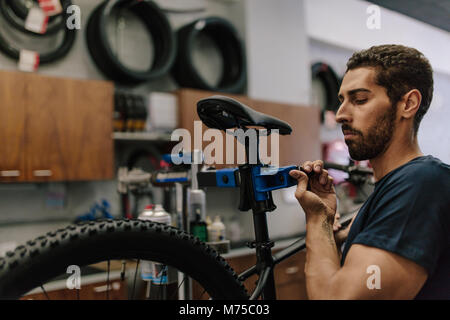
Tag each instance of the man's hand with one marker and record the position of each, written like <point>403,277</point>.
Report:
<point>321,199</point>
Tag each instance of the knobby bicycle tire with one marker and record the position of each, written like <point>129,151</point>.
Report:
<point>40,260</point>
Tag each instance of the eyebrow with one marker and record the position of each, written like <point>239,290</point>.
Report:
<point>353,92</point>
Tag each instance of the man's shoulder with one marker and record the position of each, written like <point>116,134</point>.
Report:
<point>425,169</point>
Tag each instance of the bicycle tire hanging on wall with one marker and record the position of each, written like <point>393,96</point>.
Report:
<point>222,32</point>
<point>16,12</point>
<point>331,83</point>
<point>107,61</point>
<point>48,57</point>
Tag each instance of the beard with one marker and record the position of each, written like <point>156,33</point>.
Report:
<point>375,141</point>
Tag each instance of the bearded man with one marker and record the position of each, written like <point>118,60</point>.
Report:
<point>398,245</point>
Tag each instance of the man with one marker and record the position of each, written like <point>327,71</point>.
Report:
<point>398,244</point>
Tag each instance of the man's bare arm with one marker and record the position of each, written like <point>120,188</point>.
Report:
<point>368,273</point>
<point>399,278</point>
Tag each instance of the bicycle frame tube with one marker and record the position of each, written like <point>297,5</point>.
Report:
<point>264,257</point>
<point>280,256</point>
<point>264,276</point>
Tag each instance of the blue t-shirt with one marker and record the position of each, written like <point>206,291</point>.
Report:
<point>408,213</point>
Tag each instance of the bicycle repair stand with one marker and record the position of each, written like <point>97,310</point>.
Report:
<point>136,182</point>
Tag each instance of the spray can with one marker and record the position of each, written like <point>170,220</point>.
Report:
<point>155,273</point>
<point>147,266</point>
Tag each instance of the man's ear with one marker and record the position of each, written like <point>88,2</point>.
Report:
<point>410,103</point>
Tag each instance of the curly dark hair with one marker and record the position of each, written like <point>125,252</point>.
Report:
<point>399,69</point>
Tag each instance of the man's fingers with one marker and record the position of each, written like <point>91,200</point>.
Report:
<point>329,184</point>
<point>323,178</point>
<point>307,166</point>
<point>318,166</point>
<point>320,175</point>
<point>302,184</point>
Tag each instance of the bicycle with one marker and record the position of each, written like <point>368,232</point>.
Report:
<point>39,261</point>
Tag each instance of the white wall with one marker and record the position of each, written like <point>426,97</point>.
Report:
<point>344,23</point>
<point>277,47</point>
<point>345,31</point>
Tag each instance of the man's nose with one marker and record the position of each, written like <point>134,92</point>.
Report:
<point>342,115</point>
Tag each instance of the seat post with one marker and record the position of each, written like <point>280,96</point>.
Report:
<point>262,242</point>
<point>247,145</point>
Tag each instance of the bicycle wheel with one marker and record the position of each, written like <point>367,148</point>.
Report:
<point>41,260</point>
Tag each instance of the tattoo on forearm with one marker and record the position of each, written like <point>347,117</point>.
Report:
<point>327,227</point>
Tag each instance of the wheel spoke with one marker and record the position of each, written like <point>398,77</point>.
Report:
<point>122,271</point>
<point>161,289</point>
<point>201,296</point>
<point>107,280</point>
<point>178,289</point>
<point>45,292</point>
<point>134,282</point>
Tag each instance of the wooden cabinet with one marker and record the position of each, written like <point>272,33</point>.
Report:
<point>290,278</point>
<point>301,145</point>
<point>55,129</point>
<point>12,127</point>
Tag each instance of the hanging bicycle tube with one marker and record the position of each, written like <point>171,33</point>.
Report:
<point>17,12</point>
<point>327,85</point>
<point>224,36</point>
<point>60,51</point>
<point>106,56</point>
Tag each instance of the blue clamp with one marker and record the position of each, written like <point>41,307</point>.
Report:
<point>266,179</point>
<point>226,178</point>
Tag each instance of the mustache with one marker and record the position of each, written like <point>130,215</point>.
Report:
<point>346,127</point>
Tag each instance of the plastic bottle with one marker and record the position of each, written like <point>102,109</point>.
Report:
<point>217,230</point>
<point>199,228</point>
<point>208,225</point>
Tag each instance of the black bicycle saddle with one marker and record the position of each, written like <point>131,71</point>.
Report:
<point>219,112</point>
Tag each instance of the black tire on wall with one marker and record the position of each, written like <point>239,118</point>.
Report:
<point>222,32</point>
<point>48,57</point>
<point>330,81</point>
<point>16,12</point>
<point>106,60</point>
